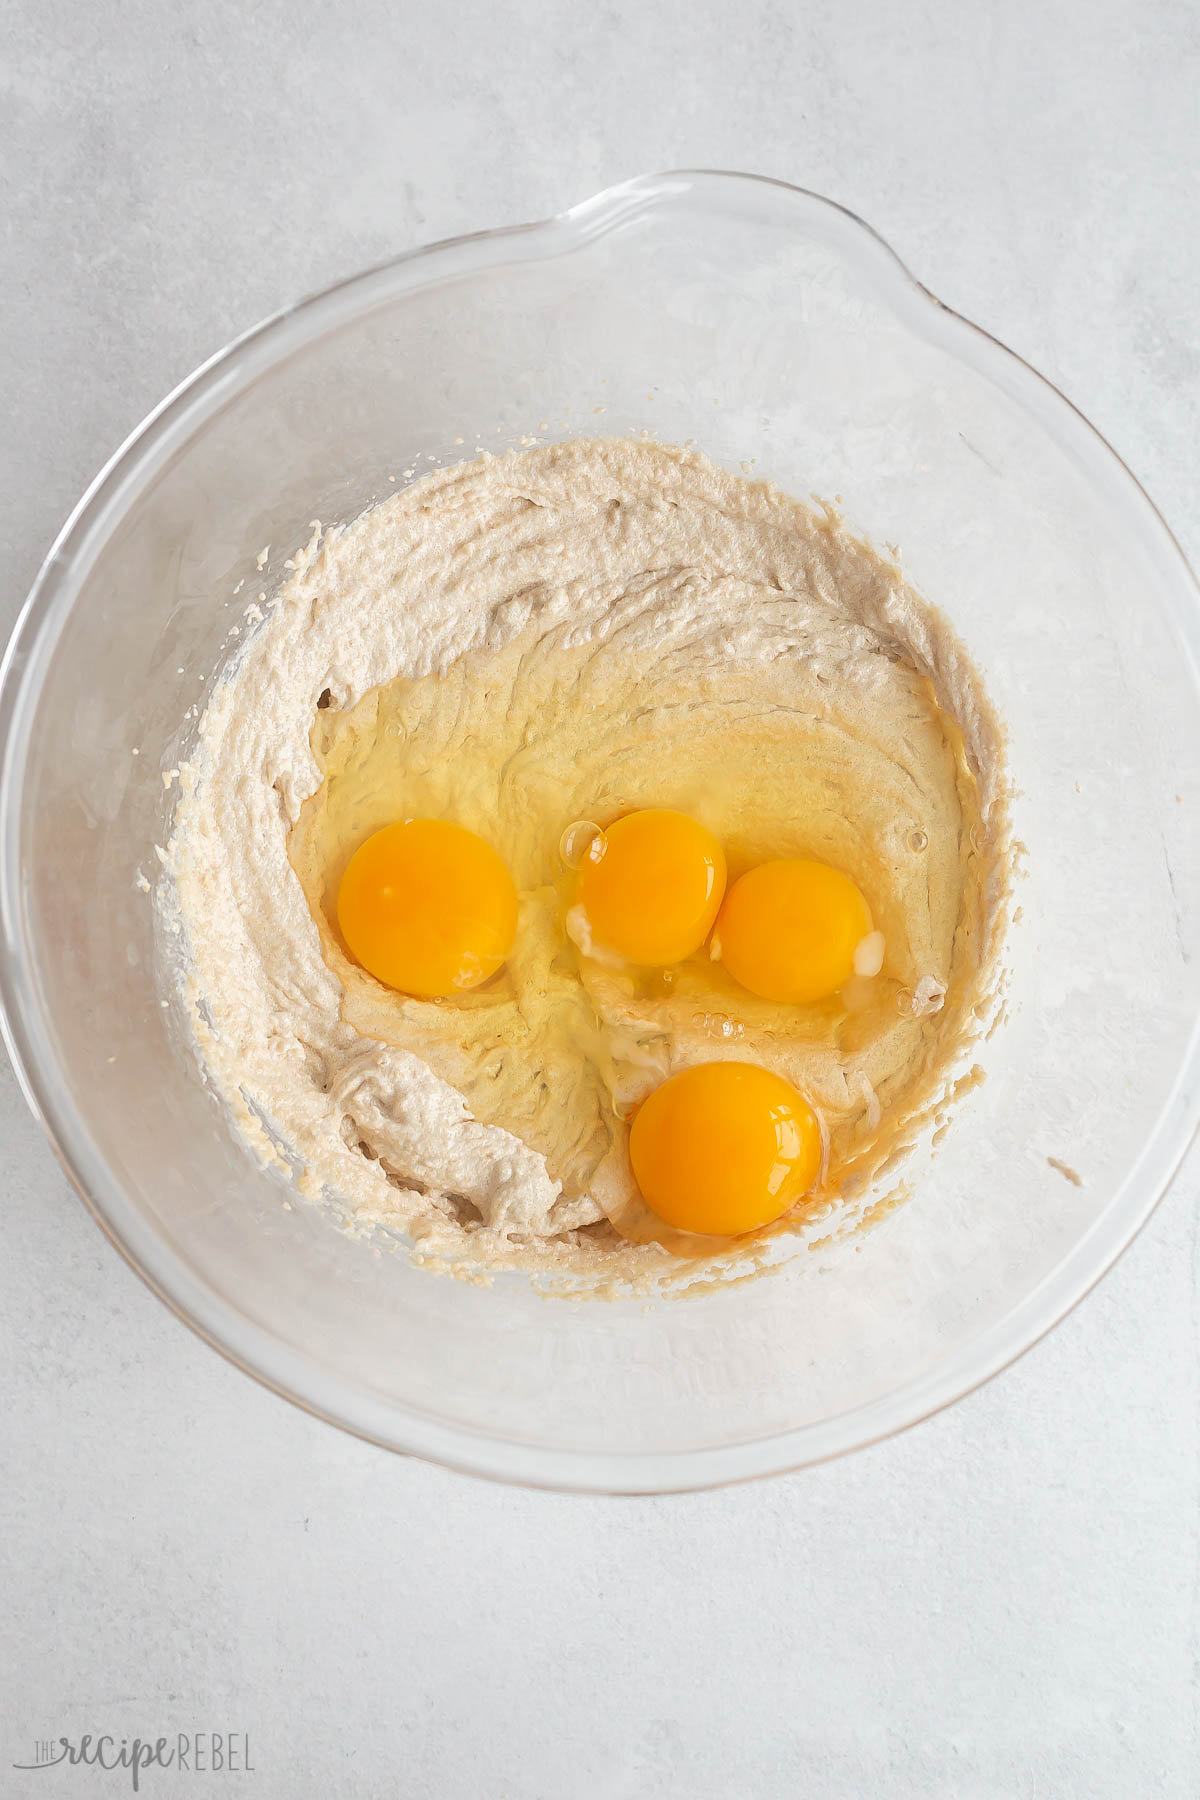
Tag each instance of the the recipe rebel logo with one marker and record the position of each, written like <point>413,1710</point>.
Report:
<point>187,1753</point>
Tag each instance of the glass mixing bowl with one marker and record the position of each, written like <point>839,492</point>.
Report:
<point>766,324</point>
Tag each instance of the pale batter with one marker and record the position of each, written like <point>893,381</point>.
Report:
<point>564,634</point>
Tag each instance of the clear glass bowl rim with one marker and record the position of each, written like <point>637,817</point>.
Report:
<point>22,1019</point>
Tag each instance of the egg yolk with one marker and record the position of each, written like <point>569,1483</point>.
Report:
<point>427,907</point>
<point>724,1147</point>
<point>788,930</point>
<point>651,885</point>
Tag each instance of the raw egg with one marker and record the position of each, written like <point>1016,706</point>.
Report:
<point>427,907</point>
<point>789,931</point>
<point>651,884</point>
<point>724,1147</point>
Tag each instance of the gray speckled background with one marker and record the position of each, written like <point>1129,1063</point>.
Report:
<point>1002,1603</point>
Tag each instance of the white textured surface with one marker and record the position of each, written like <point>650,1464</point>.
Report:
<point>1004,1602</point>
